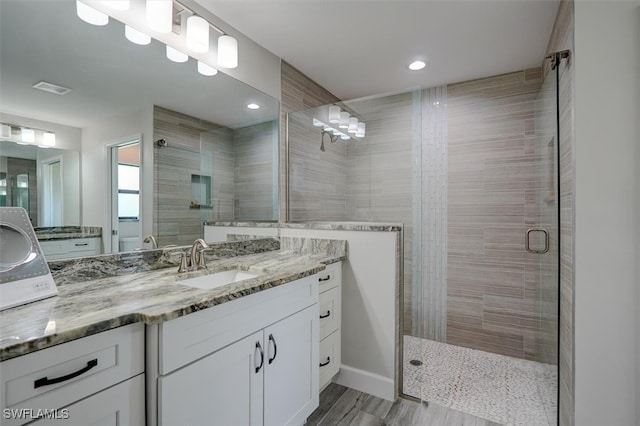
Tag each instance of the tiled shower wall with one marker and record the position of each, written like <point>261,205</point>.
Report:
<point>497,168</point>
<point>240,162</point>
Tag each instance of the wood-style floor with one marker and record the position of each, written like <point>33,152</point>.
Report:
<point>341,406</point>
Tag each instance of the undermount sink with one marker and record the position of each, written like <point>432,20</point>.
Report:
<point>218,279</point>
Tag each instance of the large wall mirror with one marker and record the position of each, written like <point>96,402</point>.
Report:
<point>143,146</point>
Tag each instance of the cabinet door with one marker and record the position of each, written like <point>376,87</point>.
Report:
<point>224,388</point>
<point>122,404</point>
<point>291,373</point>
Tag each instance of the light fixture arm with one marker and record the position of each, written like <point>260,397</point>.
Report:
<point>332,138</point>
<point>188,9</point>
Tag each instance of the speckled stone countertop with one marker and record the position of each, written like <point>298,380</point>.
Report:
<point>67,232</point>
<point>90,307</point>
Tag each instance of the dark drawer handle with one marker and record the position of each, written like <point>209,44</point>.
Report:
<point>275,348</point>
<point>327,315</point>
<point>327,278</point>
<point>46,381</point>
<point>323,364</point>
<point>81,244</point>
<point>259,347</point>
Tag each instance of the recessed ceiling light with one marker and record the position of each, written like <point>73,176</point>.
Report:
<point>51,88</point>
<point>253,106</point>
<point>417,65</point>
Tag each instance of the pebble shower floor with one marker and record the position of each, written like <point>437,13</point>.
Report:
<point>506,390</point>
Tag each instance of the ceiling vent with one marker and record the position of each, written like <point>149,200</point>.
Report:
<point>51,88</point>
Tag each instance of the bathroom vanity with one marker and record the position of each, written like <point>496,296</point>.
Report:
<point>144,349</point>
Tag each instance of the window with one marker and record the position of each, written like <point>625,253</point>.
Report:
<point>128,192</point>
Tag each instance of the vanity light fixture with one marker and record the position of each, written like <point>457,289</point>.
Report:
<point>197,34</point>
<point>135,36</point>
<point>49,139</point>
<point>90,15</point>
<point>344,120</point>
<point>207,70</point>
<point>227,51</point>
<point>175,55</point>
<point>117,4</point>
<point>253,106</point>
<point>334,114</point>
<point>361,130</point>
<point>27,135</point>
<point>159,15</point>
<point>5,131</point>
<point>353,125</point>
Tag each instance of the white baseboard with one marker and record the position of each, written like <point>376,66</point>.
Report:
<point>364,381</point>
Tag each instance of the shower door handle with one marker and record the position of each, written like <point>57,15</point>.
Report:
<point>527,241</point>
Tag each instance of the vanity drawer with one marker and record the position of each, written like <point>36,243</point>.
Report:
<point>57,376</point>
<point>329,358</point>
<point>84,245</point>
<point>330,277</point>
<point>330,311</point>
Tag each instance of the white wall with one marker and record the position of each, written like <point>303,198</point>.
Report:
<point>70,161</point>
<point>607,85</point>
<point>95,168</point>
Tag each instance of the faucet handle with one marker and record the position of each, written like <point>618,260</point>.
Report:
<point>202,261</point>
<point>184,267</point>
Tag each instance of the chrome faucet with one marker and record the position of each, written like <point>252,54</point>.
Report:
<point>197,260</point>
<point>151,239</point>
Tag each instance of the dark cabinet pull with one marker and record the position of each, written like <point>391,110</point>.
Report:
<point>327,315</point>
<point>275,348</point>
<point>81,244</point>
<point>46,381</point>
<point>259,347</point>
<point>327,278</point>
<point>322,364</point>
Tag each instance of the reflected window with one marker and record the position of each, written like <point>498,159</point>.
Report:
<point>128,192</point>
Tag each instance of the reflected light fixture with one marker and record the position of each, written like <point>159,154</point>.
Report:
<point>353,125</point>
<point>361,130</point>
<point>135,36</point>
<point>227,51</point>
<point>207,70</point>
<point>197,34</point>
<point>253,106</point>
<point>90,15</point>
<point>175,55</point>
<point>27,135</point>
<point>49,139</point>
<point>5,131</point>
<point>159,15</point>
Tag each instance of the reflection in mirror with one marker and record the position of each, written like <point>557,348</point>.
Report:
<point>119,89</point>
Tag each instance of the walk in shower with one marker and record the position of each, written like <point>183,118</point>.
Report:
<point>471,170</point>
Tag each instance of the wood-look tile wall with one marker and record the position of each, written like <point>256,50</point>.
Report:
<point>496,172</point>
<point>299,92</point>
<point>562,38</point>
<point>240,163</point>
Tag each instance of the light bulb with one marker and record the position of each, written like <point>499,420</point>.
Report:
<point>334,114</point>
<point>361,130</point>
<point>197,34</point>
<point>176,55</point>
<point>49,139</point>
<point>417,65</point>
<point>253,106</point>
<point>160,15</point>
<point>207,70</point>
<point>90,15</point>
<point>135,36</point>
<point>227,51</point>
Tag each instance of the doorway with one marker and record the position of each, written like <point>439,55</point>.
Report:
<point>125,196</point>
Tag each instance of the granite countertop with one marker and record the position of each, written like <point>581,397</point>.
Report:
<point>47,233</point>
<point>324,225</point>
<point>151,297</point>
<point>65,236</point>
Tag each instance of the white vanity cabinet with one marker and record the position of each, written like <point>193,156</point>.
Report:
<point>74,247</point>
<point>330,315</point>
<point>93,380</point>
<point>251,361</point>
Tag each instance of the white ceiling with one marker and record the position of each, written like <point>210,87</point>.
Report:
<point>356,48</point>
